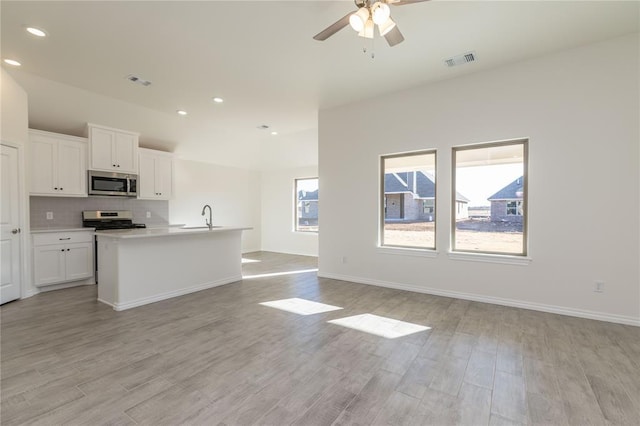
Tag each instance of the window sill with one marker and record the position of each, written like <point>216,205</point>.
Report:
<point>407,251</point>
<point>491,258</point>
<point>306,232</point>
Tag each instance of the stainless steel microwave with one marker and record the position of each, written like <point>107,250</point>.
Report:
<point>113,184</point>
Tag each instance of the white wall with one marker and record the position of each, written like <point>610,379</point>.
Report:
<point>580,110</point>
<point>234,195</point>
<point>14,112</point>
<point>278,213</point>
<point>14,130</point>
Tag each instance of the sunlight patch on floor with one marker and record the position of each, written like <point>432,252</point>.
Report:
<point>380,326</point>
<point>245,260</point>
<point>276,274</point>
<point>300,306</point>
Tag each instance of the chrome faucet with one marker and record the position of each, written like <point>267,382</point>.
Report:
<point>210,221</point>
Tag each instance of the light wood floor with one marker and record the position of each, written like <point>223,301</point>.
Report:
<point>218,357</point>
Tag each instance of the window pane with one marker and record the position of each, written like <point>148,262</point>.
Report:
<point>408,200</point>
<point>306,205</point>
<point>491,178</point>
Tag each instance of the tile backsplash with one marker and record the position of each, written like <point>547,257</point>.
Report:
<point>67,211</point>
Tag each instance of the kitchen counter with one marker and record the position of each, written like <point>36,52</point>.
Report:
<point>165,232</point>
<point>141,266</point>
<point>47,230</point>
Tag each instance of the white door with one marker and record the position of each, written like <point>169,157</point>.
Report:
<point>50,264</point>
<point>146,177</point>
<point>126,153</point>
<point>102,149</point>
<point>72,175</point>
<point>79,261</point>
<point>163,177</point>
<point>9,226</point>
<point>43,166</point>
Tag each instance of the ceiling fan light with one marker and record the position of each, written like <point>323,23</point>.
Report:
<point>358,19</point>
<point>385,27</point>
<point>380,12</point>
<point>367,31</point>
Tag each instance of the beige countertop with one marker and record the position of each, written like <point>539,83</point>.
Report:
<point>167,232</point>
<point>47,230</point>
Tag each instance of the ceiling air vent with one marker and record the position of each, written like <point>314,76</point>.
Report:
<point>138,80</point>
<point>461,59</point>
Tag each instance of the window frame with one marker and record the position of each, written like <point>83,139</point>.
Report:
<point>382,202</point>
<point>295,205</point>
<point>525,199</point>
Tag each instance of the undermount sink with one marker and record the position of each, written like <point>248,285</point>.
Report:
<point>200,227</point>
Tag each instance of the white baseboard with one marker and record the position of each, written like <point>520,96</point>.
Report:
<point>168,295</point>
<point>30,293</point>
<point>290,252</point>
<point>554,309</point>
<point>51,287</point>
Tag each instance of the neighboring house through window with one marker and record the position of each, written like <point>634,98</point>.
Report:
<point>494,177</point>
<point>408,200</point>
<point>306,202</point>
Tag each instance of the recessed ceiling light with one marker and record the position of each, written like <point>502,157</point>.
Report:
<point>12,62</point>
<point>218,100</point>
<point>181,112</point>
<point>274,133</point>
<point>36,31</point>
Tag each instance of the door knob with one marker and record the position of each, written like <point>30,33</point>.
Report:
<point>15,231</point>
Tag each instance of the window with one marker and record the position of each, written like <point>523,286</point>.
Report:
<point>306,199</point>
<point>428,206</point>
<point>514,208</point>
<point>408,200</point>
<point>490,178</point>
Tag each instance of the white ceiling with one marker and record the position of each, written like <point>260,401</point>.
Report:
<point>261,58</point>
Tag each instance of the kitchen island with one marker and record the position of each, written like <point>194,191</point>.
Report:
<point>141,266</point>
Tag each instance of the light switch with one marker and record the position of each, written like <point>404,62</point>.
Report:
<point>49,215</point>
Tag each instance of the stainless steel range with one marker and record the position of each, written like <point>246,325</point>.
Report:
<point>104,220</point>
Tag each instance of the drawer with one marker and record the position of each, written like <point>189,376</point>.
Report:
<point>62,238</point>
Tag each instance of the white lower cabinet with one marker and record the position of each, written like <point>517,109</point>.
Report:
<point>62,257</point>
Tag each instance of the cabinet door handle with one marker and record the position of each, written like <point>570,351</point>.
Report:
<point>114,165</point>
<point>15,231</point>
<point>61,188</point>
<point>55,188</point>
<point>118,165</point>
<point>68,249</point>
<point>61,239</point>
<point>62,250</point>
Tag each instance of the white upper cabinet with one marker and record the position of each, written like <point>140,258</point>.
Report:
<point>112,150</point>
<point>155,180</point>
<point>58,164</point>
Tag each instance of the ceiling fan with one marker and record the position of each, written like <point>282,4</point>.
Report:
<point>369,14</point>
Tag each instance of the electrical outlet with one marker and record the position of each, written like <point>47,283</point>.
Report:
<point>599,287</point>
<point>148,215</point>
<point>49,215</point>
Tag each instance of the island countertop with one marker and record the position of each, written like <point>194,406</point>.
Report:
<point>167,232</point>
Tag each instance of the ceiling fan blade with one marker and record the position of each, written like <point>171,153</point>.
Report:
<point>333,28</point>
<point>394,36</point>
<point>404,2</point>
